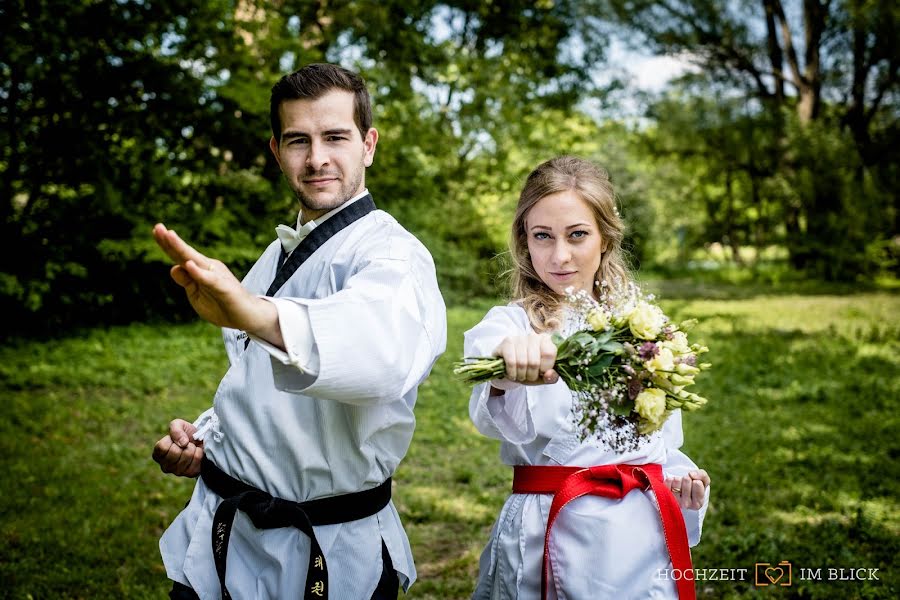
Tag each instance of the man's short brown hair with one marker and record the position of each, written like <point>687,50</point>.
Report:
<point>314,81</point>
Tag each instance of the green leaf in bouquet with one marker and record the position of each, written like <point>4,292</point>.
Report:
<point>601,365</point>
<point>582,338</point>
<point>623,410</point>
<point>613,347</point>
<point>603,337</point>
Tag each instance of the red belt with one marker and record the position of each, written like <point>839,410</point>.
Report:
<point>609,481</point>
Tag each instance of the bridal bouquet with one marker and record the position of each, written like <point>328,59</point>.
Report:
<point>627,365</point>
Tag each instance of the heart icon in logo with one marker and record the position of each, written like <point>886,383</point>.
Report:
<point>774,574</point>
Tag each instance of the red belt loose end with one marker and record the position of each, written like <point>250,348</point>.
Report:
<point>609,481</point>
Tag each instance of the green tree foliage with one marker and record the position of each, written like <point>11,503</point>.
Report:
<point>120,114</point>
<point>716,181</point>
<point>812,88</point>
<point>110,125</point>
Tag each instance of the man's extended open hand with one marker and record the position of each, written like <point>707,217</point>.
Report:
<point>214,292</point>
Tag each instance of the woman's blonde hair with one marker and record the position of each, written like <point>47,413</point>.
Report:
<point>591,184</point>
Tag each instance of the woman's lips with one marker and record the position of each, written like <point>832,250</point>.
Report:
<point>566,276</point>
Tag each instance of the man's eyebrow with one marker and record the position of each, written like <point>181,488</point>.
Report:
<point>293,133</point>
<point>337,132</point>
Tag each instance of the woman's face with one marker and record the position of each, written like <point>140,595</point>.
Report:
<point>564,242</point>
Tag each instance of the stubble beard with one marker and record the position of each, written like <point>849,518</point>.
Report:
<point>343,194</point>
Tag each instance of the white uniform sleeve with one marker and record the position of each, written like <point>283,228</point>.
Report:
<point>207,424</point>
<point>374,340</point>
<point>506,417</point>
<point>296,331</point>
<point>678,465</point>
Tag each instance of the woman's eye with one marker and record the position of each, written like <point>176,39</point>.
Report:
<point>541,236</point>
<point>579,234</point>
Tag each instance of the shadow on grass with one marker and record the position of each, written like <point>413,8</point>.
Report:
<point>692,288</point>
<point>798,437</point>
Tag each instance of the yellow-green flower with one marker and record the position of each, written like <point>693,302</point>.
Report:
<point>661,380</point>
<point>646,321</point>
<point>663,361</point>
<point>694,401</point>
<point>598,320</point>
<point>687,325</point>
<point>681,379</point>
<point>686,369</point>
<point>678,344</point>
<point>651,404</point>
<point>646,427</point>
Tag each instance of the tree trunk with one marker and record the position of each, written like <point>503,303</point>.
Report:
<point>731,230</point>
<point>823,203</point>
<point>776,57</point>
<point>814,16</point>
<point>758,230</point>
<point>798,253</point>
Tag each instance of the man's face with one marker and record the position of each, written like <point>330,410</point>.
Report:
<point>321,152</point>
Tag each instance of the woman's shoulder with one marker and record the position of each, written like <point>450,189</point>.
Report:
<point>509,319</point>
<point>511,312</point>
<point>498,323</point>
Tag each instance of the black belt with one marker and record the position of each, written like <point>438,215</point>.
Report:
<point>268,512</point>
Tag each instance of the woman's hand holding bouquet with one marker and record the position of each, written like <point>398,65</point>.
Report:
<point>626,362</point>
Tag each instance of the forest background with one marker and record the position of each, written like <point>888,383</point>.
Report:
<point>774,145</point>
<point>752,146</point>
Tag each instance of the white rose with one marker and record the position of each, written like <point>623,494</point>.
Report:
<point>663,361</point>
<point>678,343</point>
<point>651,404</point>
<point>598,320</point>
<point>646,321</point>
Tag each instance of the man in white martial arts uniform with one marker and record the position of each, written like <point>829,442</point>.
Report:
<point>328,337</point>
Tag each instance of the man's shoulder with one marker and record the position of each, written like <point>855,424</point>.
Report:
<point>385,219</point>
<point>381,233</point>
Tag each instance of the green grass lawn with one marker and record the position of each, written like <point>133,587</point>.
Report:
<point>800,438</point>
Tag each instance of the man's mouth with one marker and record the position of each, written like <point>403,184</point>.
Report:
<point>320,180</point>
<point>320,177</point>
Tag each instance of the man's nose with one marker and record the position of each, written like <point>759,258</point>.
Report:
<point>317,157</point>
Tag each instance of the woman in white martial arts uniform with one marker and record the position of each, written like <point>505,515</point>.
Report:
<point>567,233</point>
